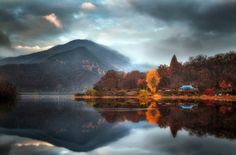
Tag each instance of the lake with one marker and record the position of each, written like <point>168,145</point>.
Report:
<point>59,125</point>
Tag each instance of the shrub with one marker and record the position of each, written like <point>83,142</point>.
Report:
<point>91,92</point>
<point>209,91</point>
<point>7,91</point>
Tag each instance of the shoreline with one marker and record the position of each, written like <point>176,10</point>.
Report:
<point>202,97</point>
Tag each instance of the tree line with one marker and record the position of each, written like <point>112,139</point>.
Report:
<point>207,74</point>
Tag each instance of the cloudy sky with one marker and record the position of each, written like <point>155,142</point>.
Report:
<point>147,31</point>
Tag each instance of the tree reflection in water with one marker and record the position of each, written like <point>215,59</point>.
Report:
<point>205,118</point>
<point>6,107</point>
<point>152,113</point>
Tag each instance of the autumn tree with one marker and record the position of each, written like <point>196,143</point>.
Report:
<point>153,80</point>
<point>133,79</point>
<point>223,85</point>
<point>116,80</point>
<point>209,91</point>
<point>112,80</point>
<point>164,73</point>
<point>204,79</point>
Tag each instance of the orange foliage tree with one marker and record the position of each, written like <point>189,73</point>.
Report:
<point>153,80</point>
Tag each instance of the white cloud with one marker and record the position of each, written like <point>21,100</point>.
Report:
<point>53,19</point>
<point>88,6</point>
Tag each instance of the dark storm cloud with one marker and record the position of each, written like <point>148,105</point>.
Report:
<point>5,46</point>
<point>24,18</point>
<point>4,40</point>
<point>219,17</point>
<point>192,27</point>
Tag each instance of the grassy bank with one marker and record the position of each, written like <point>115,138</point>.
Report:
<point>202,97</point>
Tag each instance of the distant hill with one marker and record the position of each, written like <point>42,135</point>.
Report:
<point>70,67</point>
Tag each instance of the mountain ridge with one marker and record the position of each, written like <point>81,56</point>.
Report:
<point>73,66</point>
<point>90,45</point>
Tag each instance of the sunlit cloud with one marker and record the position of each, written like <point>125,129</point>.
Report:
<point>88,6</point>
<point>53,19</point>
<point>33,143</point>
<point>32,48</point>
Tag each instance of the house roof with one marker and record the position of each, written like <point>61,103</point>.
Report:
<point>186,87</point>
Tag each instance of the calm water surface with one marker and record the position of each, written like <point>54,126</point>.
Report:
<point>57,125</point>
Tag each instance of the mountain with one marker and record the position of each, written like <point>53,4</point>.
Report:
<point>71,67</point>
<point>100,51</point>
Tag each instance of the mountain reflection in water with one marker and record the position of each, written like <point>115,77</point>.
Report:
<point>68,124</point>
<point>55,125</point>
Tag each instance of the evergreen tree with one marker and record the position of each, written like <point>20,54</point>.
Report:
<point>175,66</point>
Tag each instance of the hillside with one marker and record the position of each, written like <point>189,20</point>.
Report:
<point>69,67</point>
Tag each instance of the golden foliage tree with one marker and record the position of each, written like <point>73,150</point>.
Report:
<point>153,80</point>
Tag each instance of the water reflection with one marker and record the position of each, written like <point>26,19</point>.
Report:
<point>5,108</point>
<point>152,113</point>
<point>68,124</point>
<point>52,125</point>
<point>205,118</point>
